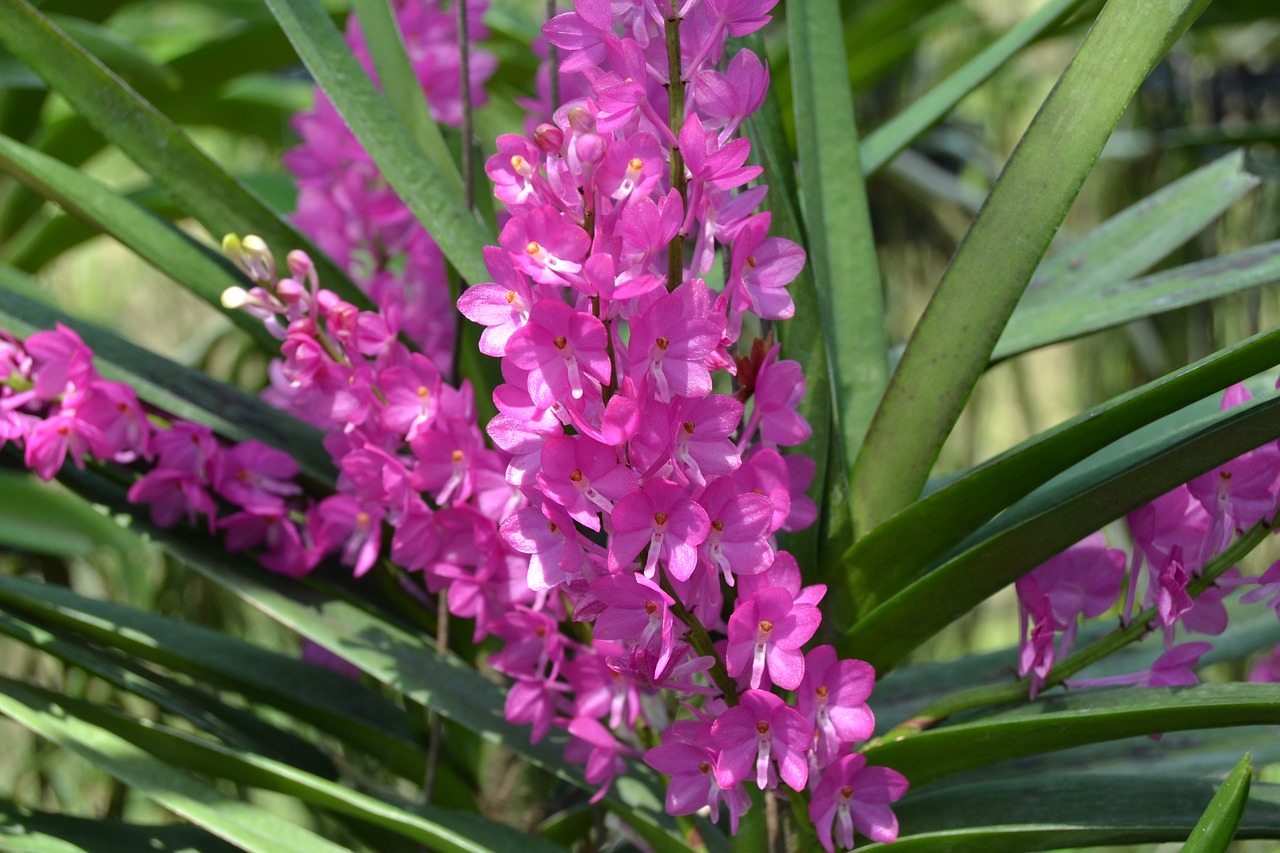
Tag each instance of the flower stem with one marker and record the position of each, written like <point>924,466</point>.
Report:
<point>675,118</point>
<point>999,694</point>
<point>702,644</point>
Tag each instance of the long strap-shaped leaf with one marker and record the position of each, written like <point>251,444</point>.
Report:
<point>198,268</point>
<point>247,826</point>
<point>178,390</point>
<point>1043,323</point>
<point>1090,716</point>
<point>841,246</point>
<point>952,343</point>
<point>211,195</point>
<point>902,548</point>
<point>440,829</point>
<point>28,830</point>
<point>888,140</point>
<point>431,198</point>
<point>1066,811</point>
<point>1052,519</point>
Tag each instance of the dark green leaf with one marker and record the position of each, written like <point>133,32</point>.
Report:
<point>27,831</point>
<point>1086,716</point>
<point>1061,811</point>
<point>1054,517</point>
<point>902,548</point>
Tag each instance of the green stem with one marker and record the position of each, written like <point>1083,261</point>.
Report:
<point>675,117</point>
<point>702,644</point>
<point>1001,694</point>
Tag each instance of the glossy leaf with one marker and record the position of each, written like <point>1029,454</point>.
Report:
<point>216,199</point>
<point>40,520</point>
<point>952,343</point>
<point>896,134</point>
<point>248,827</point>
<point>439,829</point>
<point>198,268</point>
<point>1054,517</point>
<point>841,246</point>
<point>1081,717</point>
<point>433,201</point>
<point>327,700</point>
<point>1066,810</point>
<point>1036,324</point>
<point>1217,826</point>
<point>900,550</point>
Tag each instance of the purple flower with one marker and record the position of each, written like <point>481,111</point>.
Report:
<point>852,796</point>
<point>757,734</point>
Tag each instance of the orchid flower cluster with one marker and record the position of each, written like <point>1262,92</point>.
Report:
<point>1175,539</point>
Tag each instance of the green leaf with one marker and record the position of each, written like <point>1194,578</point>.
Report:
<point>841,245</point>
<point>1054,517</point>
<point>179,390</point>
<point>244,825</point>
<point>216,199</point>
<point>198,268</point>
<point>439,829</point>
<point>27,831</point>
<point>1061,811</point>
<point>400,83</point>
<point>804,339</point>
<point>433,201</point>
<point>1039,323</point>
<point>952,343</point>
<point>902,548</point>
<point>118,54</point>
<point>322,698</point>
<point>1082,717</point>
<point>892,137</point>
<point>1217,826</point>
<point>1132,241</point>
<point>42,520</point>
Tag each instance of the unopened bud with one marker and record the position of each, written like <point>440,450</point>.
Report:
<point>262,266</point>
<point>549,138</point>
<point>299,263</point>
<point>590,148</point>
<point>581,120</point>
<point>234,298</point>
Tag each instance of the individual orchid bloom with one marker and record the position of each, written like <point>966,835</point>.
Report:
<point>1038,630</point>
<point>581,34</point>
<point>784,573</point>
<point>339,520</point>
<point>61,434</point>
<point>631,168</point>
<point>114,409</point>
<point>647,229</point>
<point>713,164</point>
<point>756,734</point>
<point>1173,520</point>
<point>173,494</point>
<point>779,387</point>
<point>287,554</point>
<point>534,701</point>
<point>760,270</point>
<point>535,647</point>
<point>688,759</point>
<point>766,632</point>
<point>832,697</point>
<point>546,245</point>
<point>514,171</point>
<point>595,747</point>
<point>253,474</point>
<point>562,349</point>
<point>546,533</point>
<point>448,461</point>
<point>662,516</point>
<point>600,692</point>
<point>61,362</point>
<point>412,395</point>
<point>853,797</point>
<point>671,340</point>
<point>738,542</point>
<point>727,99</point>
<point>522,440</point>
<point>689,439</point>
<point>501,306</point>
<point>635,608</point>
<point>584,477</point>
<point>1168,593</point>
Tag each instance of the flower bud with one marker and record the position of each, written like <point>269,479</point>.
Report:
<point>549,138</point>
